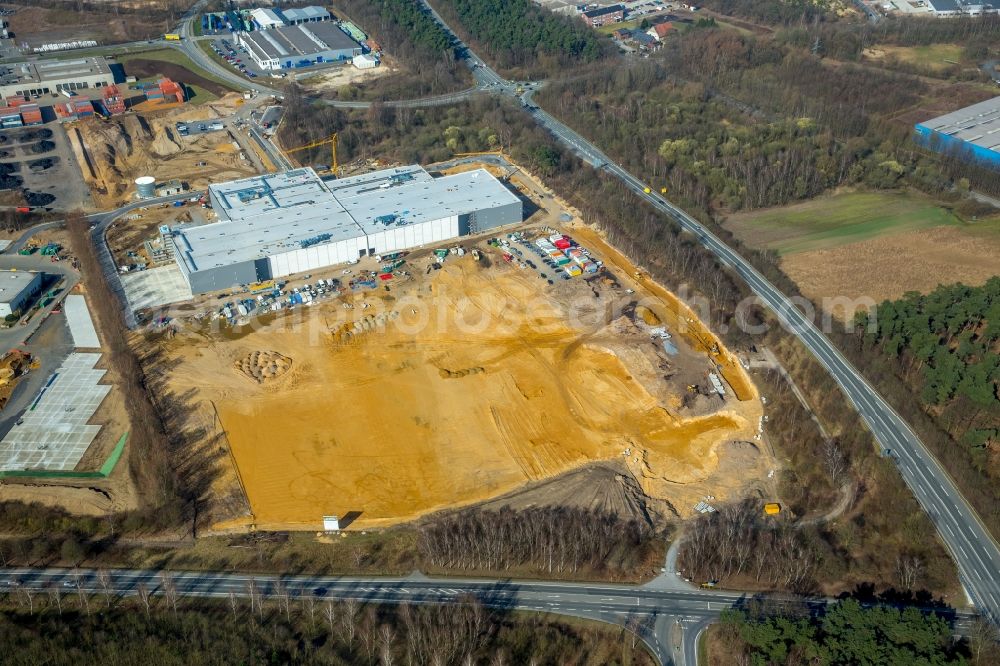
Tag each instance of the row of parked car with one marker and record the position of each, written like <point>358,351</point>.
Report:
<point>229,53</point>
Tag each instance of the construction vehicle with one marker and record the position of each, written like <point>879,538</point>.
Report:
<point>663,190</point>
<point>646,190</point>
<point>772,509</point>
<point>332,140</point>
<point>693,388</point>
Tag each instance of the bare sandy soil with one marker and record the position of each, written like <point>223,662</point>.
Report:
<point>889,266</point>
<point>461,386</point>
<point>338,77</point>
<point>146,144</point>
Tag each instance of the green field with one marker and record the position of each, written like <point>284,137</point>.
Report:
<point>932,56</point>
<point>837,220</point>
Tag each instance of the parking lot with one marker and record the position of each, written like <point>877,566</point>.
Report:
<point>195,128</point>
<point>238,59</point>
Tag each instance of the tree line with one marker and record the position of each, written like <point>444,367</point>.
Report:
<point>157,626</point>
<point>520,35</point>
<point>945,343</point>
<point>416,43</point>
<point>551,540</point>
<point>847,633</point>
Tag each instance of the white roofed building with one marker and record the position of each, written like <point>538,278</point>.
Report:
<point>279,224</point>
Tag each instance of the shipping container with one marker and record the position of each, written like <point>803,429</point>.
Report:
<point>562,244</point>
<point>574,270</point>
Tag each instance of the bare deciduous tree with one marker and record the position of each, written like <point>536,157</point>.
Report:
<point>142,590</point>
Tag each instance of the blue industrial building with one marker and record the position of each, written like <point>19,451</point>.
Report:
<point>972,133</point>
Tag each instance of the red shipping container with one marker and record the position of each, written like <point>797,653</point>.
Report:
<point>385,276</point>
<point>15,100</point>
<point>562,244</point>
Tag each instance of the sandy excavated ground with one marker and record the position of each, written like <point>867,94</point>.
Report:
<point>397,410</point>
<point>338,77</point>
<point>887,267</point>
<point>147,144</point>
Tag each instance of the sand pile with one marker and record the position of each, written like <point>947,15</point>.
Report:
<point>262,366</point>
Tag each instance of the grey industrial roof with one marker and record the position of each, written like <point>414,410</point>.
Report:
<point>305,13</point>
<point>978,124</point>
<point>12,283</point>
<point>52,70</point>
<point>299,41</point>
<point>81,325</point>
<point>288,208</point>
<point>55,432</point>
<point>944,5</point>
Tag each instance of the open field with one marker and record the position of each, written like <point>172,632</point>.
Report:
<point>463,385</point>
<point>338,77</point>
<point>876,245</point>
<point>839,219</point>
<point>147,144</point>
<point>936,57</point>
<point>54,21</point>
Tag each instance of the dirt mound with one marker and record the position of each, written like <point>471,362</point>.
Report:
<point>348,331</point>
<point>647,315</point>
<point>607,487</point>
<point>464,372</point>
<point>262,366</point>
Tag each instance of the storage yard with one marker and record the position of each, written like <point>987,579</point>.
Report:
<point>428,380</point>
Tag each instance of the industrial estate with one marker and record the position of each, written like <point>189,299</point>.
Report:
<point>276,299</point>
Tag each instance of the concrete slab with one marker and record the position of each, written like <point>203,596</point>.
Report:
<point>81,325</point>
<point>155,287</point>
<point>54,433</point>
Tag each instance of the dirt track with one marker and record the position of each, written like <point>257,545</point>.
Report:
<point>477,383</point>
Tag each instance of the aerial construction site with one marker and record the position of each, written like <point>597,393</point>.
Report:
<point>477,368</point>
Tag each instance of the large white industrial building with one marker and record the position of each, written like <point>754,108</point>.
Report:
<point>298,45</point>
<point>278,224</point>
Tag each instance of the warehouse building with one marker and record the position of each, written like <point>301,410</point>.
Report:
<point>604,15</point>
<point>279,224</point>
<point>17,288</point>
<point>298,45</point>
<point>311,14</point>
<point>972,133</point>
<point>50,76</point>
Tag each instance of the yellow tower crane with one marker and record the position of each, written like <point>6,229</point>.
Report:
<point>332,140</point>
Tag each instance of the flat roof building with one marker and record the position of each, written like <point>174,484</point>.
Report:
<point>265,19</point>
<point>17,288</point>
<point>49,76</point>
<point>604,15</point>
<point>279,224</point>
<point>297,15</point>
<point>298,45</point>
<point>972,132</point>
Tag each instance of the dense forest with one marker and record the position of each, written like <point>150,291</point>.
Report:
<point>846,634</point>
<point>415,43</point>
<point>520,36</point>
<point>947,345</point>
<point>61,628</point>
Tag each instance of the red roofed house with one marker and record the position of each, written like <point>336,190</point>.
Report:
<point>660,31</point>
